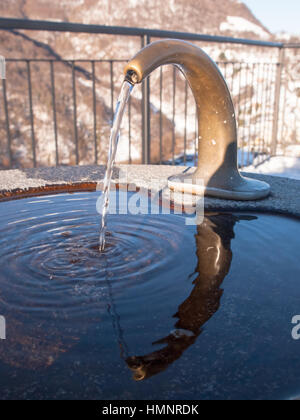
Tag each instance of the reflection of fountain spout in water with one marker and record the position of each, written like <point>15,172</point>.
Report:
<point>213,240</point>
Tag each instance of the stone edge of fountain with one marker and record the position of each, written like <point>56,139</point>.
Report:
<point>284,199</point>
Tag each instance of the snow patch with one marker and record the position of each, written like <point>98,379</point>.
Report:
<point>134,3</point>
<point>239,24</point>
<point>283,166</point>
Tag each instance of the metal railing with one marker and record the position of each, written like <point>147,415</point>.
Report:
<point>259,91</point>
<point>75,68</point>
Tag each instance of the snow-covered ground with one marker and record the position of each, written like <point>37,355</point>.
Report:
<point>239,24</point>
<point>283,166</point>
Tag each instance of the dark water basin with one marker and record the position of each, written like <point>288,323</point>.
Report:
<point>169,311</point>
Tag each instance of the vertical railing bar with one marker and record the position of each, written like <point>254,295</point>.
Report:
<point>261,84</point>
<point>129,131</point>
<point>160,116</point>
<point>266,67</point>
<point>266,106</point>
<point>75,112</point>
<point>7,123</point>
<point>284,88</point>
<point>239,81</point>
<point>148,116</point>
<point>225,71</point>
<point>31,113</point>
<point>281,114</point>
<point>112,88</point>
<point>54,111</point>
<point>247,158</point>
<point>195,138</point>
<point>95,112</point>
<point>245,116</point>
<point>263,111</point>
<point>146,113</point>
<point>270,119</point>
<point>296,120</point>
<point>232,78</point>
<point>260,102</point>
<point>173,116</point>
<point>256,103</point>
<point>251,148</point>
<point>257,111</point>
<point>266,119</point>
<point>185,120</point>
<point>250,86</point>
<point>280,65</point>
<point>272,94</point>
<point>243,113</point>
<point>143,106</point>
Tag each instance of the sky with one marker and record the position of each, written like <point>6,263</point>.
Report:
<point>277,15</point>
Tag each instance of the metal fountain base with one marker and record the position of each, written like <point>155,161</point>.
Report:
<point>241,188</point>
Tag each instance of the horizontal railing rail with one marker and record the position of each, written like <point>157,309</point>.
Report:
<point>41,25</point>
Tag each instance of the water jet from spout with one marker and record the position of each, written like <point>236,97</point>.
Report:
<point>113,145</point>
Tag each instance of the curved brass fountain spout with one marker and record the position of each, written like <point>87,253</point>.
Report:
<point>217,150</point>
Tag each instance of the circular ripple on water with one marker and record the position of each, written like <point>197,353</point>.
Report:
<point>50,260</point>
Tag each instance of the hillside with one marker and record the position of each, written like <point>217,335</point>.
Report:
<point>202,16</point>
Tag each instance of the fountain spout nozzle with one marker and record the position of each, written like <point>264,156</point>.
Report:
<point>217,173</point>
<point>132,77</point>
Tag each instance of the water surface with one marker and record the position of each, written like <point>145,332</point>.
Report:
<point>168,311</point>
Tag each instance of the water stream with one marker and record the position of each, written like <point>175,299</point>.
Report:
<point>113,145</point>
